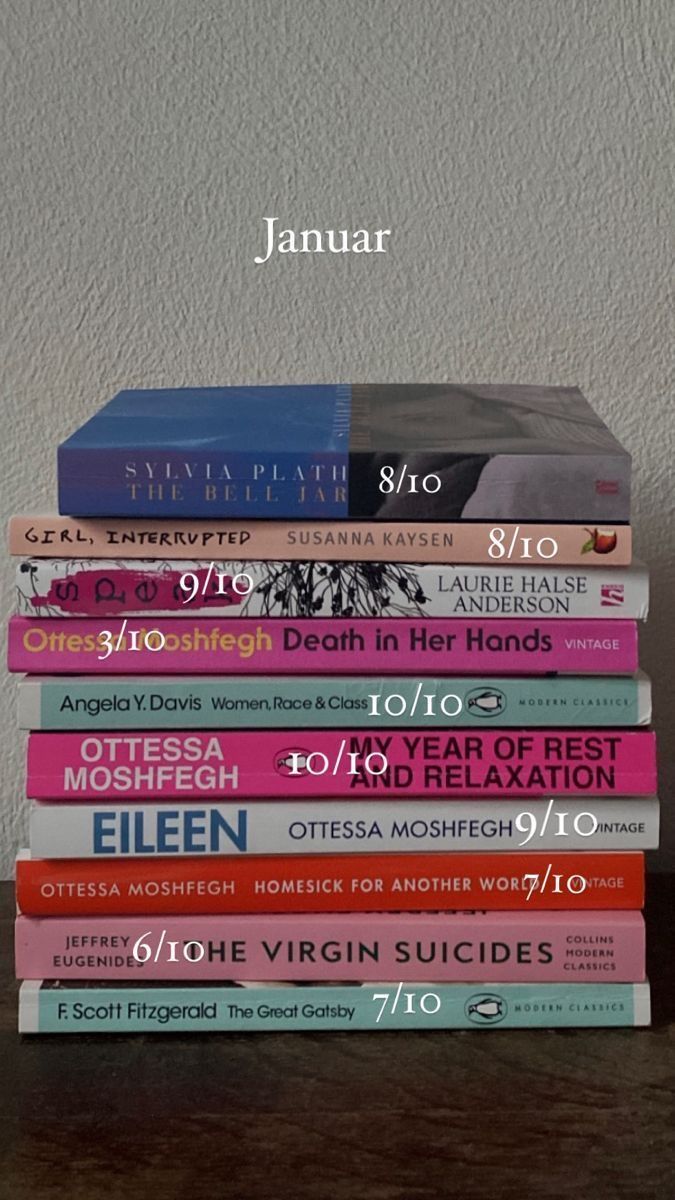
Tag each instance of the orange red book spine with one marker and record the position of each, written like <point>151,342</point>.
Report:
<point>331,883</point>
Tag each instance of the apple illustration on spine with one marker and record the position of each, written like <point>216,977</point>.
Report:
<point>601,541</point>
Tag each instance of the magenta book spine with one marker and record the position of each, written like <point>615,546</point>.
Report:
<point>311,646</point>
<point>72,766</point>
<point>442,947</point>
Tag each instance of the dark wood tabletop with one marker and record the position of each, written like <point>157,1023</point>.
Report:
<point>588,1114</point>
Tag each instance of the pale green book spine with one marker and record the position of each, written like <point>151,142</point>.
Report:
<point>54,1008</point>
<point>310,702</point>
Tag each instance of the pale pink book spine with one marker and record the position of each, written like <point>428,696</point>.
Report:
<point>279,646</point>
<point>439,947</point>
<point>332,763</point>
<point>359,541</point>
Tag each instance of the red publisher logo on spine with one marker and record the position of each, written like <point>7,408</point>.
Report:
<point>611,595</point>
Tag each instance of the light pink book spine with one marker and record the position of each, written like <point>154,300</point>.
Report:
<point>277,646</point>
<point>292,764</point>
<point>357,541</point>
<point>441,947</point>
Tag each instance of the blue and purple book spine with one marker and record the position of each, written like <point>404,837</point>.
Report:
<point>171,453</point>
<point>385,452</point>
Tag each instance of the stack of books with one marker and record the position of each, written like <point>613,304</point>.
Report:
<point>335,716</point>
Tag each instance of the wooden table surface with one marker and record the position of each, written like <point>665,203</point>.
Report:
<point>375,1116</point>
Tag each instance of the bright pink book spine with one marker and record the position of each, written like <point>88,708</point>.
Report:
<point>442,947</point>
<point>276,645</point>
<point>318,763</point>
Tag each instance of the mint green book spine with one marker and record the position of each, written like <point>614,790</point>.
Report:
<point>330,702</point>
<point>46,1007</point>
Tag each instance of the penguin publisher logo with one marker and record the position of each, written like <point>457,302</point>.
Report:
<point>486,1008</point>
<point>292,762</point>
<point>486,702</point>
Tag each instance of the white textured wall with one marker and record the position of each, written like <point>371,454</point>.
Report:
<point>519,149</point>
